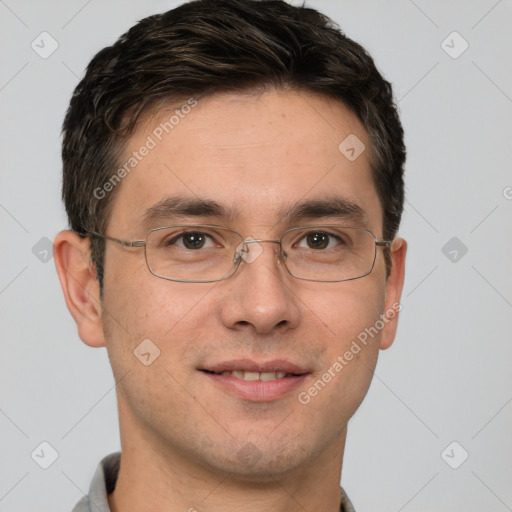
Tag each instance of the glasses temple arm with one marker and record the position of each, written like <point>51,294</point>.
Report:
<point>124,243</point>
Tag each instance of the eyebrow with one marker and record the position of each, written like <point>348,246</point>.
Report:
<point>174,207</point>
<point>336,207</point>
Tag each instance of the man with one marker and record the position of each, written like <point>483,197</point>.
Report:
<point>233,181</point>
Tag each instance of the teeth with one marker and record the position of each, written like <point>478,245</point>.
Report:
<point>240,374</point>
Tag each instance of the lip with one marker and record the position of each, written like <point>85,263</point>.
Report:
<point>254,366</point>
<point>256,390</point>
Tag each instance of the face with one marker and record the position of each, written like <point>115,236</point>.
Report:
<point>256,156</point>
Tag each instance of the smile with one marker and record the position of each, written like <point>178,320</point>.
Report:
<point>256,381</point>
<point>247,375</point>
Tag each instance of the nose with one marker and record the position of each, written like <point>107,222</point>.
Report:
<point>259,296</point>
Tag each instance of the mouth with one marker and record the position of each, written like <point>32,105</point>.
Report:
<point>256,382</point>
<point>248,375</point>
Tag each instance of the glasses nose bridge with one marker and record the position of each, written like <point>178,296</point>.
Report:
<point>248,241</point>
<point>252,240</point>
<point>243,249</point>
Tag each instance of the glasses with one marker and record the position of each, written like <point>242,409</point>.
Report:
<point>206,253</point>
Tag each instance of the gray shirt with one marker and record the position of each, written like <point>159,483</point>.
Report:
<point>104,481</point>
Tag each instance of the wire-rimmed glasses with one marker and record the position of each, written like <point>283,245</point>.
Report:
<point>208,253</point>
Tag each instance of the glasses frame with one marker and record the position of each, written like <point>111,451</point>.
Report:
<point>238,258</point>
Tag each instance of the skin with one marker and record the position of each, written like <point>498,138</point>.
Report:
<point>182,436</point>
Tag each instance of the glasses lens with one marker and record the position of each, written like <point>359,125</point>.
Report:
<point>192,253</point>
<point>329,253</point>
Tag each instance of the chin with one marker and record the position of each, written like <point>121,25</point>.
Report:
<point>259,460</point>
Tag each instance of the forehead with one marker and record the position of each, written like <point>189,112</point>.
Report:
<point>253,153</point>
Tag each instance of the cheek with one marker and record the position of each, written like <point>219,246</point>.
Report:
<point>173,316</point>
<point>139,302</point>
<point>151,333</point>
<point>138,306</point>
<point>346,310</point>
<point>350,327</point>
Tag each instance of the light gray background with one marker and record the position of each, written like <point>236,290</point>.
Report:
<point>447,378</point>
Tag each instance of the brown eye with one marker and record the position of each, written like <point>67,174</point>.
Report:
<point>317,240</point>
<point>193,240</point>
<point>190,240</point>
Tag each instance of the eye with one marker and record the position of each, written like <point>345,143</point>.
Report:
<point>319,240</point>
<point>192,240</point>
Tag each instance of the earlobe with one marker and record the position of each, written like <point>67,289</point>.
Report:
<point>394,286</point>
<point>79,285</point>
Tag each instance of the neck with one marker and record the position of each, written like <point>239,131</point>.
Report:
<point>155,477</point>
<point>146,485</point>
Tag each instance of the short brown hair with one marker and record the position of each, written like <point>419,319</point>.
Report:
<point>208,46</point>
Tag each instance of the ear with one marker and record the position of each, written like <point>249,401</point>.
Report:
<point>81,289</point>
<point>394,286</point>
